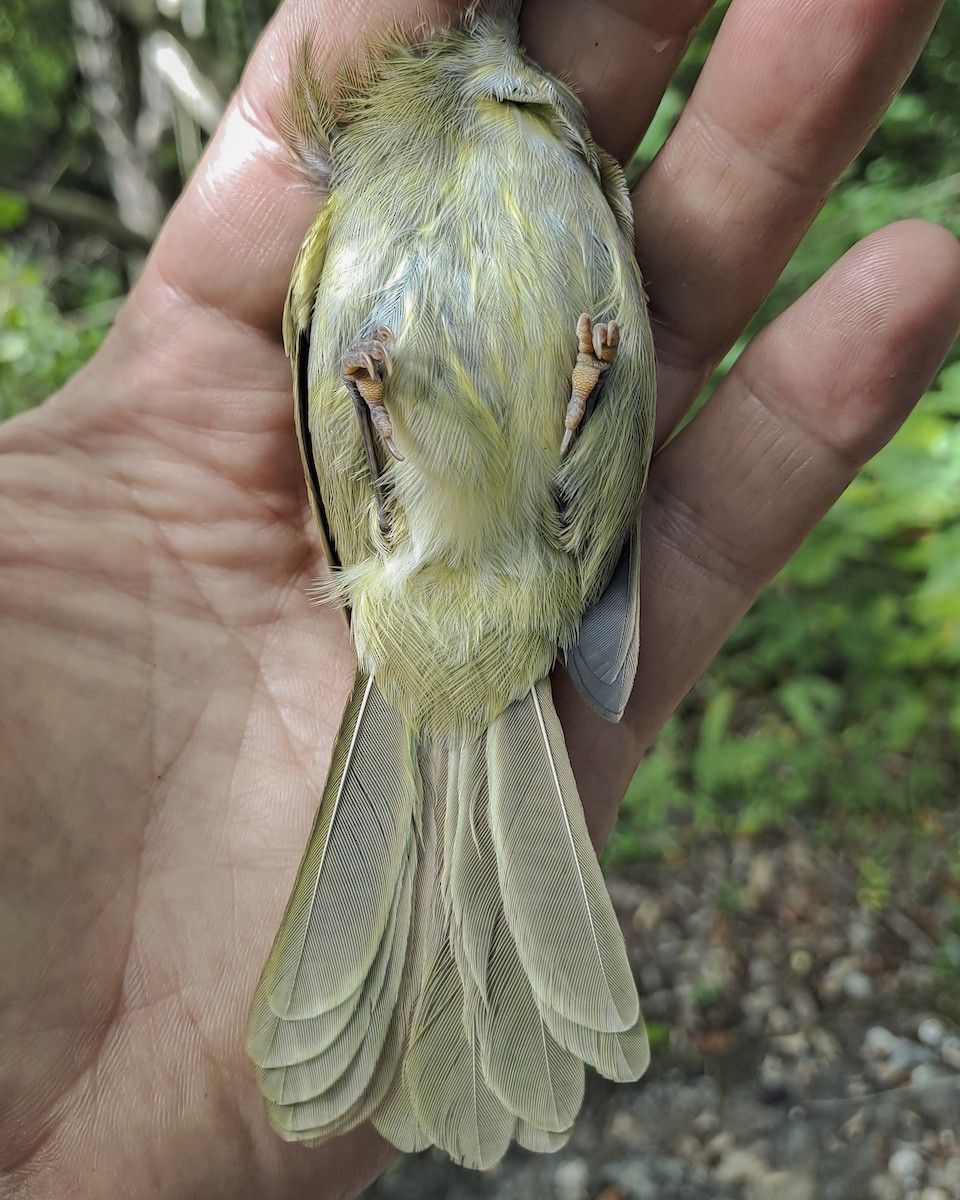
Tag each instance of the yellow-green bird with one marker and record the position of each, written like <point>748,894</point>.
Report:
<point>474,382</point>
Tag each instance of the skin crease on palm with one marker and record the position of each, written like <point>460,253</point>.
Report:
<point>170,696</point>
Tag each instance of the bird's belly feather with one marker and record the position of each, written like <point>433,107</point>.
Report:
<point>442,614</point>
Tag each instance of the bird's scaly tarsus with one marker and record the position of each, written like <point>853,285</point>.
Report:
<point>360,368</point>
<point>596,351</point>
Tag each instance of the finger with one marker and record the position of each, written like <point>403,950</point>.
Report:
<point>814,396</point>
<point>788,96</point>
<point>619,55</point>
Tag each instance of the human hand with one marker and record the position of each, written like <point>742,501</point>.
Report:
<point>171,696</point>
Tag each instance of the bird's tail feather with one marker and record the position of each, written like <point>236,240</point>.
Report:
<point>321,1028</point>
<point>449,959</point>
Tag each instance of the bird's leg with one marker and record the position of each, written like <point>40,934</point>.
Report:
<point>360,370</point>
<point>597,350</point>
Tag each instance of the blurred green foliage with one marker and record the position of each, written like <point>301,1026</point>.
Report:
<point>838,692</point>
<point>37,75</point>
<point>40,346</point>
<point>46,131</point>
<point>836,699</point>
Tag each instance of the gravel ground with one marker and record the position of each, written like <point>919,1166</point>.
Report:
<point>809,1050</point>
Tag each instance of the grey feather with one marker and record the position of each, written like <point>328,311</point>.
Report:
<point>323,1009</point>
<point>541,835</point>
<point>539,1140</point>
<point>451,1099</point>
<point>620,1056</point>
<point>535,1078</point>
<point>603,661</point>
<point>340,1072</point>
<point>336,916</point>
<point>395,1117</point>
<point>316,1094</point>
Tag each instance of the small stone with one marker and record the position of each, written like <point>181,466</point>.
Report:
<point>832,986</point>
<point>705,1124</point>
<point>626,896</point>
<point>907,1167</point>
<point>856,1126</point>
<point>647,915</point>
<point>717,1147</point>
<point>948,1176</point>
<point>756,1006</point>
<point>857,985</point>
<point>800,859</point>
<point>801,963</point>
<point>907,1055</point>
<point>934,1193</point>
<point>861,932</point>
<point>685,994</point>
<point>950,1051</point>
<point>890,1074</point>
<point>803,1076</point>
<point>684,897</point>
<point>780,1020</point>
<point>648,1177</point>
<point>793,1045</point>
<point>879,1042</point>
<point>762,880</point>
<point>882,1187</point>
<point>903,1059</point>
<point>927,1075</point>
<point>773,1080</point>
<point>795,904</point>
<point>785,1185</point>
<point>741,1167</point>
<point>804,1006</point>
<point>624,1129</point>
<point>930,1032</point>
<point>928,1142</point>
<point>761,972</point>
<point>826,1046</point>
<point>571,1180</point>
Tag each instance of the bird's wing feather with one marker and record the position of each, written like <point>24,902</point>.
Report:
<point>297,322</point>
<point>602,662</point>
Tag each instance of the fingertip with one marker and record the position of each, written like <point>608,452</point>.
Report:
<point>853,355</point>
<point>921,262</point>
<point>931,257</point>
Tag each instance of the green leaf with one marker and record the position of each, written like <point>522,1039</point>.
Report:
<point>14,209</point>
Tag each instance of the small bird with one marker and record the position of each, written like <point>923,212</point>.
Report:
<point>474,386</point>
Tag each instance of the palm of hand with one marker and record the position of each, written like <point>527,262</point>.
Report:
<point>189,694</point>
<point>171,695</point>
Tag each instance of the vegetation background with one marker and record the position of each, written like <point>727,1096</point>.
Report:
<point>835,703</point>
